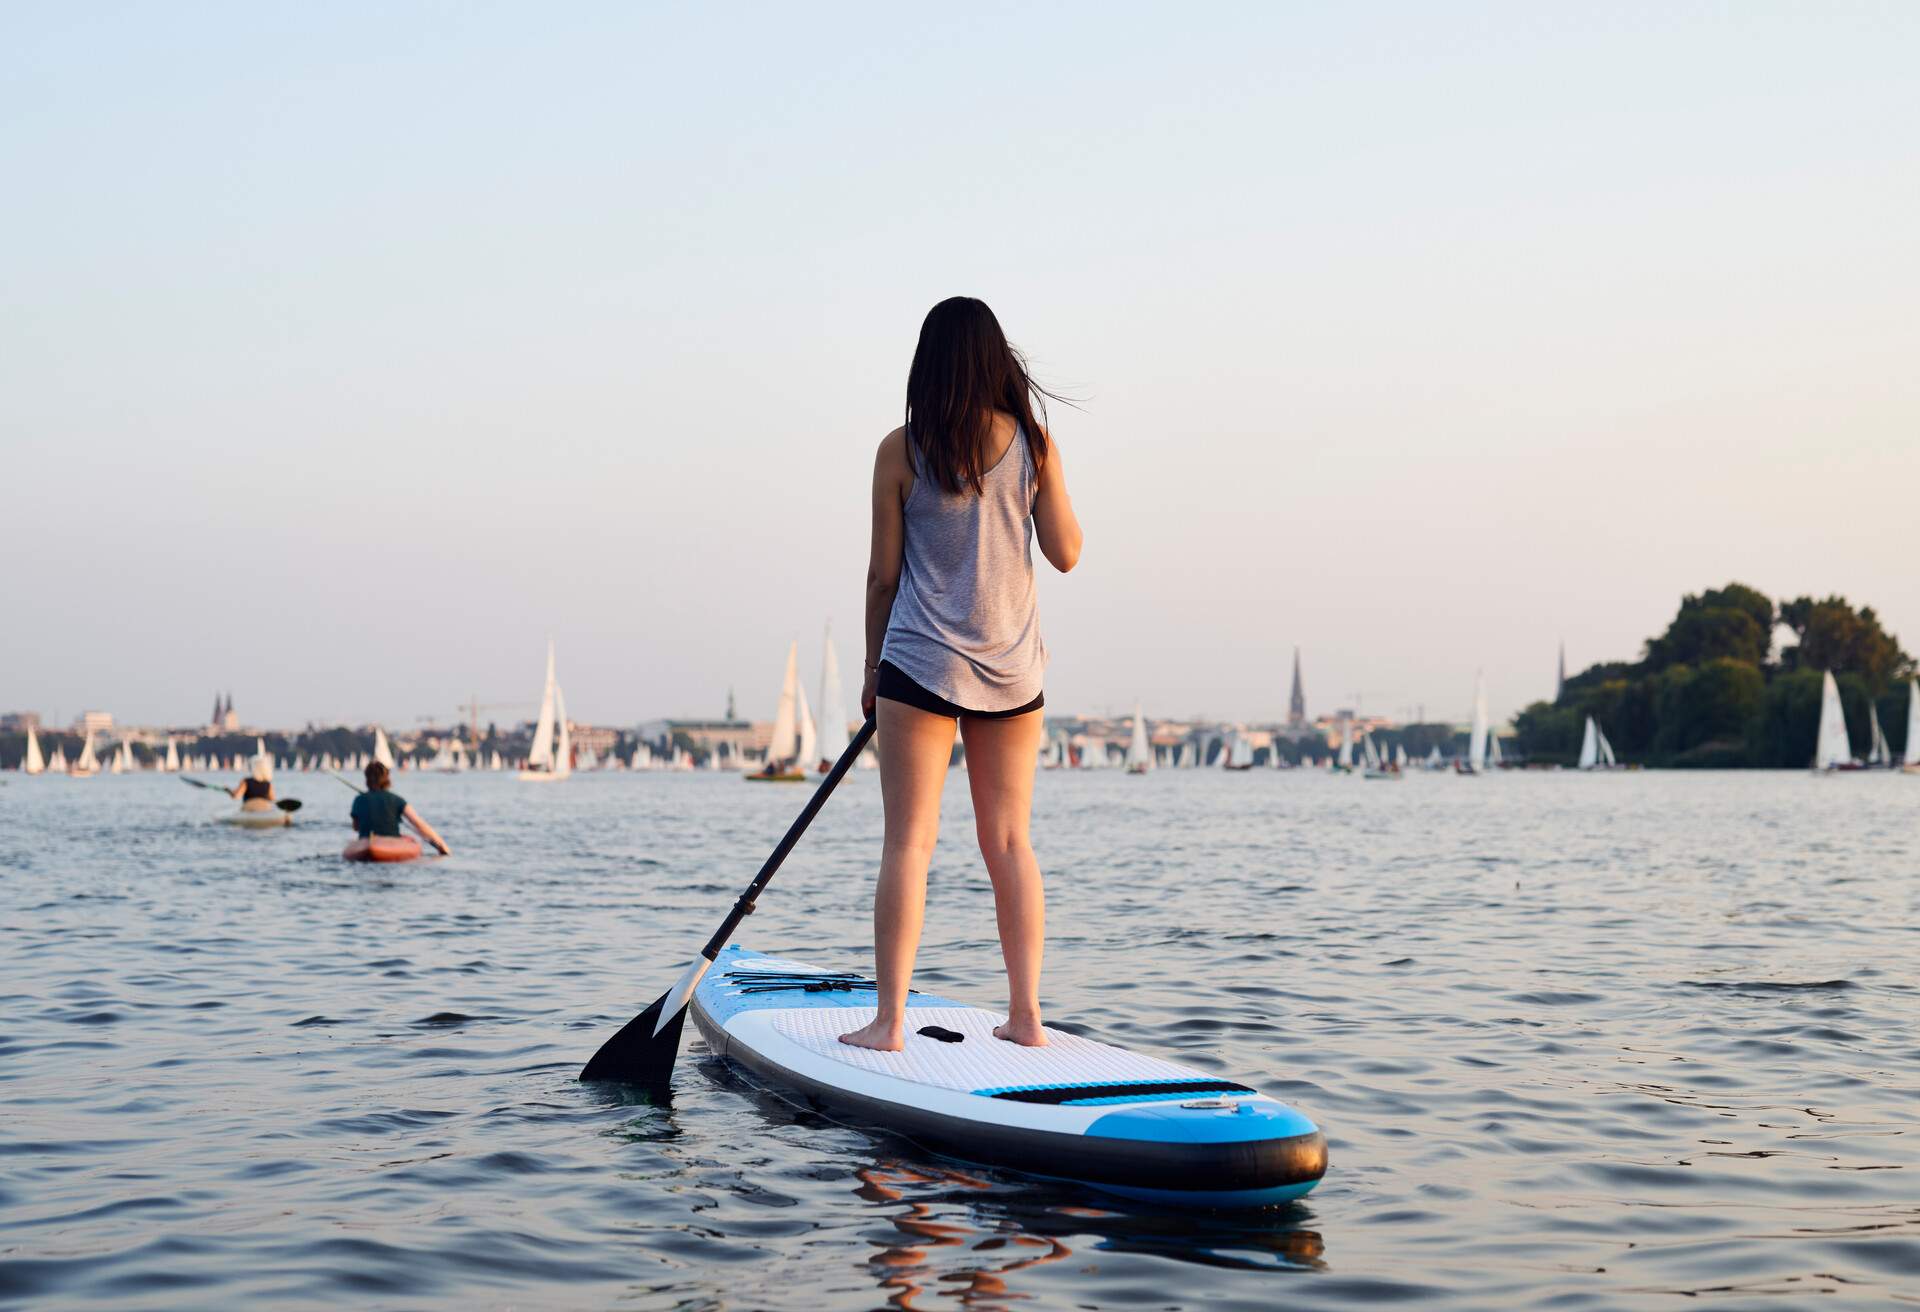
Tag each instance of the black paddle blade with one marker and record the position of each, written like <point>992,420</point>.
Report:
<point>636,1055</point>
<point>288,804</point>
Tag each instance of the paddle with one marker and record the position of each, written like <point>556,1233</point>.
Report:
<point>358,791</point>
<point>287,804</point>
<point>643,1051</point>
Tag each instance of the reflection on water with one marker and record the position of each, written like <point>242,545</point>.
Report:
<point>1575,1042</point>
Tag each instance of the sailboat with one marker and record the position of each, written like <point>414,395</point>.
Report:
<point>1377,768</point>
<point>1494,762</point>
<point>1344,763</point>
<point>1239,753</point>
<point>1878,754</point>
<point>382,749</point>
<point>1910,758</point>
<point>642,757</point>
<point>118,763</point>
<point>1433,757</point>
<point>1596,753</point>
<point>58,765</point>
<point>1139,750</point>
<point>1476,762</point>
<point>33,763</point>
<point>783,752</point>
<point>832,729</point>
<point>550,759</point>
<point>1832,748</point>
<point>86,767</point>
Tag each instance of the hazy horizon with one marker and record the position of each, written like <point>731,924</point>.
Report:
<point>349,354</point>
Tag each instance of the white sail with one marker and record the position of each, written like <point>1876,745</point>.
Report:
<point>1493,749</point>
<point>1477,739</point>
<point>117,764</point>
<point>808,751</point>
<point>832,729</point>
<point>59,762</point>
<point>1346,745</point>
<point>540,756</point>
<point>1878,753</point>
<point>260,754</point>
<point>382,749</point>
<point>1833,747</point>
<point>1590,745</point>
<point>88,763</point>
<point>1139,751</point>
<point>642,756</point>
<point>1606,749</point>
<point>1400,756</point>
<point>563,748</point>
<point>1240,754</point>
<point>1433,757</point>
<point>34,763</point>
<point>1911,756</point>
<point>785,745</point>
<point>589,759</point>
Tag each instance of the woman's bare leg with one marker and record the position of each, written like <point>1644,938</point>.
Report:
<point>1001,758</point>
<point>914,750</point>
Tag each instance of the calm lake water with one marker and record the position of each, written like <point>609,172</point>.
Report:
<point>1576,1042</point>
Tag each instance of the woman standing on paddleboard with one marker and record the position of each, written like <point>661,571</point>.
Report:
<point>953,640</point>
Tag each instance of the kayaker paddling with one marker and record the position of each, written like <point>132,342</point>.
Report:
<point>256,790</point>
<point>377,813</point>
<point>960,492</point>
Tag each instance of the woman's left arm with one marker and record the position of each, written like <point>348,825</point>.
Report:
<point>892,480</point>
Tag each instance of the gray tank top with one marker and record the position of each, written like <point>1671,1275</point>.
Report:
<point>966,620</point>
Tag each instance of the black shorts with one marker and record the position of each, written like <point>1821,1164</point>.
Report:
<point>895,686</point>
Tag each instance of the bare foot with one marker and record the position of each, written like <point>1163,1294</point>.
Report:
<point>880,1036</point>
<point>1026,1033</point>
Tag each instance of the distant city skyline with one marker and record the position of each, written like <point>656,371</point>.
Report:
<point>351,352</point>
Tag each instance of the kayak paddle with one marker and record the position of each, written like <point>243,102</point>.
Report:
<point>643,1051</point>
<point>287,804</point>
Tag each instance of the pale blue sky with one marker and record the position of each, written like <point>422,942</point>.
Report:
<point>349,350</point>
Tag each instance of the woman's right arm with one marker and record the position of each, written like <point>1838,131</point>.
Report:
<point>892,480</point>
<point>1054,522</point>
<point>412,817</point>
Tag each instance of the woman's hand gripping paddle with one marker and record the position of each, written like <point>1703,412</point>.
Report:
<point>643,1051</point>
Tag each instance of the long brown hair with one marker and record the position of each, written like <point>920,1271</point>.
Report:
<point>963,370</point>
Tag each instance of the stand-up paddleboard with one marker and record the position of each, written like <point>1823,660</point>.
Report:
<point>377,848</point>
<point>1073,1110</point>
<point>261,819</point>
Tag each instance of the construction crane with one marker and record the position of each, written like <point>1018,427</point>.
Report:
<point>473,706</point>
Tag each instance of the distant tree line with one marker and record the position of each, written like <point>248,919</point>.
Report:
<point>1711,691</point>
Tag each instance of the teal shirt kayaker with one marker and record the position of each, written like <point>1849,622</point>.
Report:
<point>377,814</point>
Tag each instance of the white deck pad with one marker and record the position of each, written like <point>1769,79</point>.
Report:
<point>980,1062</point>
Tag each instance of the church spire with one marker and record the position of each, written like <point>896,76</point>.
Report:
<point>1297,703</point>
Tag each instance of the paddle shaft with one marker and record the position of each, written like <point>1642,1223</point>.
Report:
<point>288,804</point>
<point>744,906</point>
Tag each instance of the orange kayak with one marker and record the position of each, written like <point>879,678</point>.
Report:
<point>403,848</point>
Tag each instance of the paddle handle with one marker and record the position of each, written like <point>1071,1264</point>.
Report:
<point>744,907</point>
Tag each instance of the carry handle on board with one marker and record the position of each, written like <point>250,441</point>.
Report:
<point>643,1051</point>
